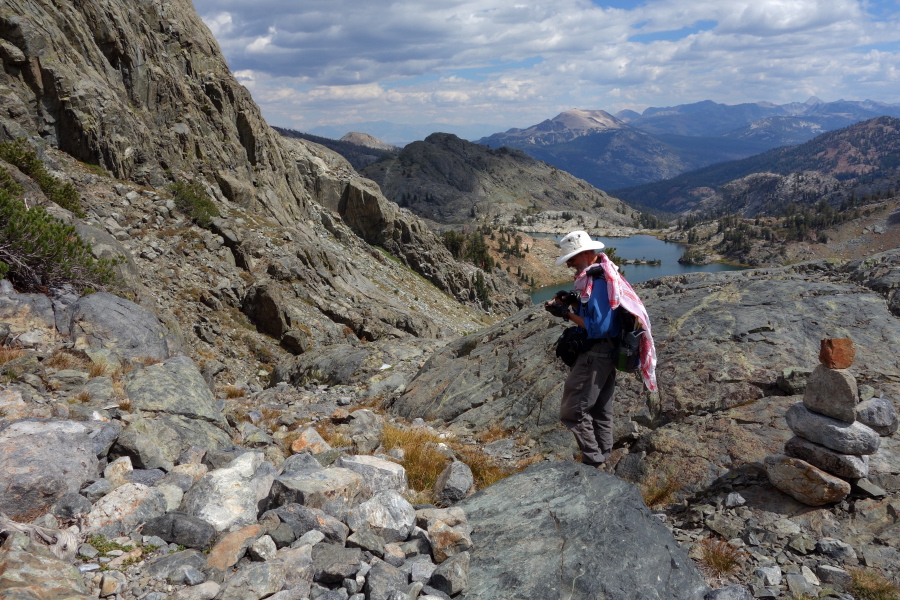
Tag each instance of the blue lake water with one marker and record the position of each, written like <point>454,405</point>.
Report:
<point>640,247</point>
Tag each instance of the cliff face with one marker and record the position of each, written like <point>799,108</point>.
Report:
<point>141,89</point>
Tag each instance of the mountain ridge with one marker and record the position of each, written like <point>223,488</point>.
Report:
<point>867,150</point>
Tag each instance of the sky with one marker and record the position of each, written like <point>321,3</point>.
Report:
<point>515,63</point>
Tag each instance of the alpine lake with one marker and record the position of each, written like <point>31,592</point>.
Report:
<point>642,248</point>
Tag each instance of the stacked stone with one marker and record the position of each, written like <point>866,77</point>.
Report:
<point>830,445</point>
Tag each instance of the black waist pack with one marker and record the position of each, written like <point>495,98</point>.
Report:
<point>571,343</point>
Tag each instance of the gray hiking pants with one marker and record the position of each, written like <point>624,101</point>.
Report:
<point>587,402</point>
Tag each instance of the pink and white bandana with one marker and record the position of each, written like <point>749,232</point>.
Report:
<point>621,293</point>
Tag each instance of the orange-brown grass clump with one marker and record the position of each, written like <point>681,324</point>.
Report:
<point>61,359</point>
<point>269,417</point>
<point>423,459</point>
<point>659,488</point>
<point>872,585</point>
<point>98,369</point>
<point>720,557</point>
<point>493,433</point>
<point>124,369</point>
<point>485,470</point>
<point>148,360</point>
<point>333,435</point>
<point>233,391</point>
<point>8,354</point>
<point>83,397</point>
<point>125,405</point>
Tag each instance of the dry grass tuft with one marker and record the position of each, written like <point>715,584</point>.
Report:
<point>485,470</point>
<point>333,434</point>
<point>721,557</point>
<point>493,433</point>
<point>269,417</point>
<point>284,443</point>
<point>98,369</point>
<point>423,460</point>
<point>659,488</point>
<point>869,584</point>
<point>124,369</point>
<point>83,397</point>
<point>233,391</point>
<point>60,359</point>
<point>8,354</point>
<point>118,389</point>
<point>125,405</point>
<point>148,360</point>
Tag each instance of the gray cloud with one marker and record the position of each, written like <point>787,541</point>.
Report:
<point>514,63</point>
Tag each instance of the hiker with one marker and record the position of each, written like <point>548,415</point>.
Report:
<point>587,401</point>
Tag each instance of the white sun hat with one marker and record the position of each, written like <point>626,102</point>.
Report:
<point>576,243</point>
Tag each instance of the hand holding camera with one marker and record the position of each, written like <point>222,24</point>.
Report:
<point>557,310</point>
<point>567,298</point>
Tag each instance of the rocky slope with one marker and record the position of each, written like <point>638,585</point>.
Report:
<point>851,162</point>
<point>452,181</point>
<point>182,421</point>
<point>141,114</point>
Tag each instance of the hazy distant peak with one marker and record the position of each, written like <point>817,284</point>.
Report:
<point>813,100</point>
<point>580,120</point>
<point>364,139</point>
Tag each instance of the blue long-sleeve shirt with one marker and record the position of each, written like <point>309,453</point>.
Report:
<point>599,318</point>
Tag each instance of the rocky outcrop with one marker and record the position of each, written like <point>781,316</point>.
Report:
<point>40,461</point>
<point>449,180</point>
<point>722,340</point>
<point>104,85</point>
<point>382,223</point>
<point>29,570</point>
<point>552,518</point>
<point>140,91</point>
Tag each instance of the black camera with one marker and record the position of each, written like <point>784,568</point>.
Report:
<point>569,298</point>
<point>557,310</point>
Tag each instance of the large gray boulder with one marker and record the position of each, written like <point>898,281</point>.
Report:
<point>570,531</point>
<point>387,514</point>
<point>28,570</point>
<point>157,442</point>
<point>40,461</point>
<point>228,498</point>
<point>175,387</point>
<point>124,508</point>
<point>377,473</point>
<point>103,320</point>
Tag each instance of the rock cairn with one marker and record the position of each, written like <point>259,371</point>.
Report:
<point>834,434</point>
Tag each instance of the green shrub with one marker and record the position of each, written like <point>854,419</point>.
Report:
<point>24,158</point>
<point>191,199</point>
<point>37,250</point>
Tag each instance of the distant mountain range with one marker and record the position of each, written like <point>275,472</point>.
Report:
<point>629,148</point>
<point>860,159</point>
<point>400,134</point>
